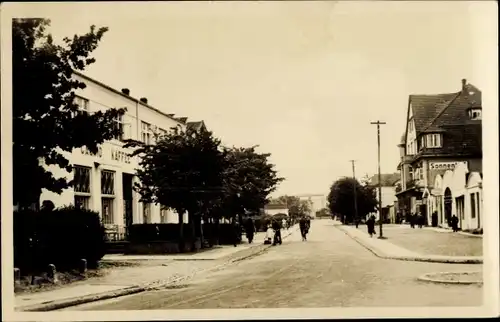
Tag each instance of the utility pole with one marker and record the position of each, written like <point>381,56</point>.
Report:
<point>378,123</point>
<point>356,219</point>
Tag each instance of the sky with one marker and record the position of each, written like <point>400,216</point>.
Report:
<point>303,80</point>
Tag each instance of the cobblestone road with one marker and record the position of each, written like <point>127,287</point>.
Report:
<point>429,242</point>
<point>329,270</point>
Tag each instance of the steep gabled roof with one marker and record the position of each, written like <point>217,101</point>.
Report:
<point>426,107</point>
<point>196,125</point>
<point>387,179</point>
<point>455,112</point>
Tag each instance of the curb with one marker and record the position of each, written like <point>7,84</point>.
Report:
<point>61,304</point>
<point>427,259</point>
<point>428,278</point>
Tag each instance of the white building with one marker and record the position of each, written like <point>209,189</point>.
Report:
<point>458,192</point>
<point>104,182</point>
<point>316,202</point>
<point>274,209</point>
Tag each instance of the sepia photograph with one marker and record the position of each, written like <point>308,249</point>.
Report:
<point>249,160</point>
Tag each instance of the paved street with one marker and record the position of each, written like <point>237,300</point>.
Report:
<point>430,242</point>
<point>329,270</point>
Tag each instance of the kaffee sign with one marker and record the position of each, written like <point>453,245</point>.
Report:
<point>445,165</point>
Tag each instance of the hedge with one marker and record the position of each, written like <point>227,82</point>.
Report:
<point>143,233</point>
<point>61,237</point>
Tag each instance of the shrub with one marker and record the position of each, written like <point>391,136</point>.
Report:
<point>61,237</point>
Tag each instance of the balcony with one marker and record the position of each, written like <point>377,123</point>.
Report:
<point>414,183</point>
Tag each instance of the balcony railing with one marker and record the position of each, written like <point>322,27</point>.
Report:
<point>414,183</point>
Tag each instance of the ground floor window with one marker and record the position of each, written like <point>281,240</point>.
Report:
<point>146,213</point>
<point>163,215</point>
<point>107,211</point>
<point>82,202</point>
<point>473,205</point>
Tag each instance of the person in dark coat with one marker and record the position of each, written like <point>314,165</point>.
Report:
<point>277,231</point>
<point>420,220</point>
<point>250,230</point>
<point>236,232</point>
<point>370,223</point>
<point>454,223</point>
<point>413,219</point>
<point>303,228</point>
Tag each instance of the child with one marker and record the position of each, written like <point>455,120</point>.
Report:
<point>269,235</point>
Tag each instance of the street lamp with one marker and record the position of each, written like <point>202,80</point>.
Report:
<point>378,123</point>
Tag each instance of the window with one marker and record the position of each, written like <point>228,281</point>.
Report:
<point>107,182</point>
<point>81,186</point>
<point>83,103</point>
<point>433,140</point>
<point>120,127</point>
<point>163,215</point>
<point>478,202</point>
<point>108,198</point>
<point>146,213</point>
<point>146,132</point>
<point>475,114</point>
<point>107,210</point>
<point>473,205</point>
<point>422,142</point>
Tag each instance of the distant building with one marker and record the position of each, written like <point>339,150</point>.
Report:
<point>389,199</point>
<point>442,132</point>
<point>274,209</point>
<point>316,202</point>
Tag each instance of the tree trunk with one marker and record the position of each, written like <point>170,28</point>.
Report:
<point>192,224</point>
<point>181,231</point>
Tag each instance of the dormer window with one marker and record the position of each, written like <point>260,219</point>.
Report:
<point>475,113</point>
<point>433,140</point>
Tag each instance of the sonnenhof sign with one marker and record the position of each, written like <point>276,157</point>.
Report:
<point>445,165</point>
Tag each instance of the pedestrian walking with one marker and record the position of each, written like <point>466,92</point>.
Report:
<point>250,230</point>
<point>236,232</point>
<point>420,220</point>
<point>303,228</point>
<point>412,221</point>
<point>370,223</point>
<point>277,232</point>
<point>454,223</point>
<point>283,224</point>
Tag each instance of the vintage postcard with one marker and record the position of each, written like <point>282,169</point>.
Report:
<point>249,160</point>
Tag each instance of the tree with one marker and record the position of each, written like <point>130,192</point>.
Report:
<point>47,124</point>
<point>249,179</point>
<point>296,207</point>
<point>341,199</point>
<point>324,212</point>
<point>183,171</point>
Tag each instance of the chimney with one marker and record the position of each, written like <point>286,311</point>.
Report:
<point>126,91</point>
<point>144,100</point>
<point>464,84</point>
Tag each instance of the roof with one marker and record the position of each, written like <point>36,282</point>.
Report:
<point>122,94</point>
<point>275,206</point>
<point>455,112</point>
<point>182,119</point>
<point>426,107</point>
<point>196,125</point>
<point>388,179</point>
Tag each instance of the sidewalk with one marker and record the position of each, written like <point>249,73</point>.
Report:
<point>385,249</point>
<point>160,271</point>
<point>449,230</point>
<point>214,253</point>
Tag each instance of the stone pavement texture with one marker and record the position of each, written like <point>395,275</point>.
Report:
<point>330,269</point>
<point>430,241</point>
<point>155,271</point>
<point>405,243</point>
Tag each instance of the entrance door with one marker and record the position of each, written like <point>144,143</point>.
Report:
<point>447,205</point>
<point>459,201</point>
<point>127,201</point>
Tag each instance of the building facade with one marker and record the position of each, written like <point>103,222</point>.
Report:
<point>388,192</point>
<point>443,131</point>
<point>104,181</point>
